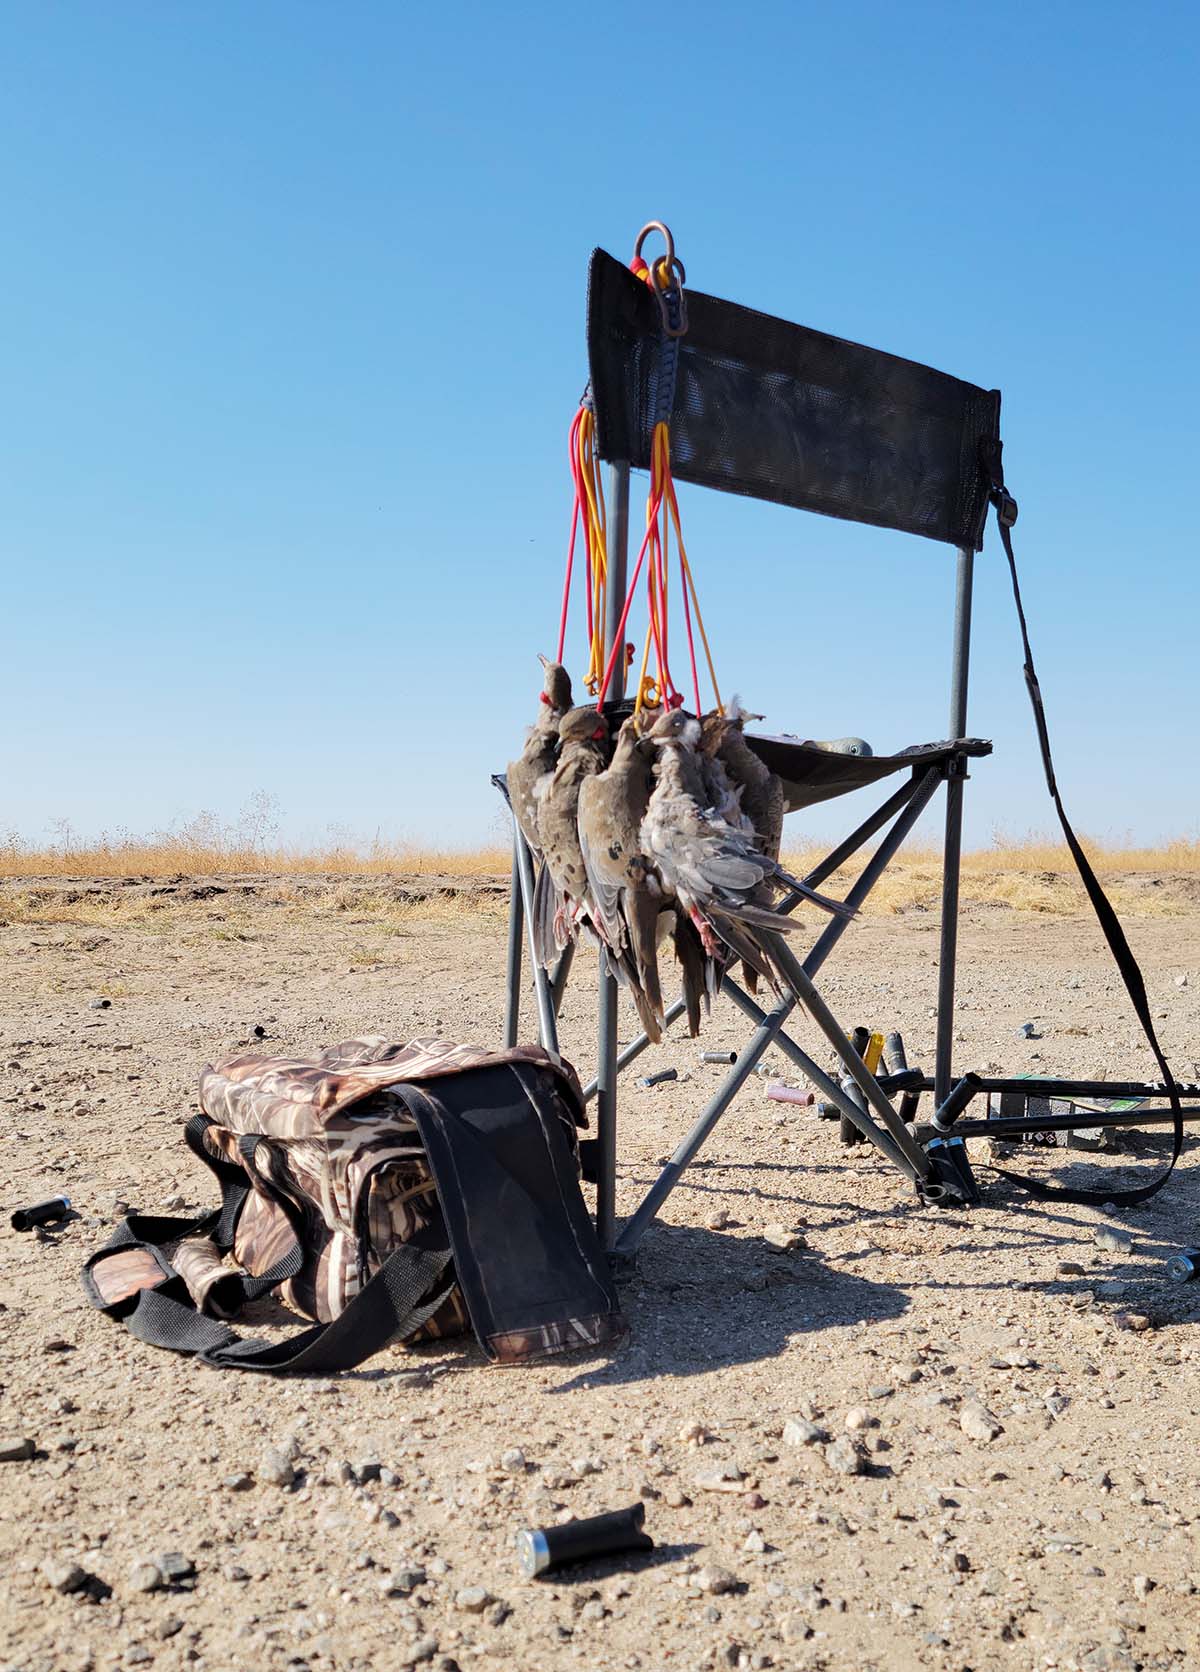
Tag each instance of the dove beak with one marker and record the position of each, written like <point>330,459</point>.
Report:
<point>543,660</point>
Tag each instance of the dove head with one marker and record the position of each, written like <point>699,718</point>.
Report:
<point>676,728</point>
<point>714,726</point>
<point>583,725</point>
<point>634,732</point>
<point>737,714</point>
<point>556,687</point>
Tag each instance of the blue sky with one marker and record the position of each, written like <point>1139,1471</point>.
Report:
<point>293,330</point>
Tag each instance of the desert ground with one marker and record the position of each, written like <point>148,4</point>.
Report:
<point>368,1521</point>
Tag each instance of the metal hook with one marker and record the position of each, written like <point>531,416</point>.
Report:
<point>655,226</point>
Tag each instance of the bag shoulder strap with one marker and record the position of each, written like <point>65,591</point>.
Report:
<point>132,1278</point>
<point>1114,934</point>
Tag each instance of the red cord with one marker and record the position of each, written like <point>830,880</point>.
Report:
<point>618,646</point>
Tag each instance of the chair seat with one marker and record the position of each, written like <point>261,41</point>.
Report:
<point>812,773</point>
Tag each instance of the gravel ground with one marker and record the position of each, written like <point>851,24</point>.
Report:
<point>914,1438</point>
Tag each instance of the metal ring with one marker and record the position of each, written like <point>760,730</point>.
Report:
<point>655,226</point>
<point>674,267</point>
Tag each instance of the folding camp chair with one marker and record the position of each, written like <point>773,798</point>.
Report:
<point>776,411</point>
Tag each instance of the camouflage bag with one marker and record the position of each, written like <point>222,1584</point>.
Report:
<point>389,1193</point>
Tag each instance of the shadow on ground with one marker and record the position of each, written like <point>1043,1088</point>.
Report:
<point>701,1300</point>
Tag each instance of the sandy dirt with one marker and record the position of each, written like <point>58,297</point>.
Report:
<point>1066,1541</point>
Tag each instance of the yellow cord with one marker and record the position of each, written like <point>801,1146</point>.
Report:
<point>595,513</point>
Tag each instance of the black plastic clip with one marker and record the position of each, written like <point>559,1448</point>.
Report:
<point>1006,505</point>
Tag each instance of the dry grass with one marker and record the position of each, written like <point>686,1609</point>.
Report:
<point>1035,875</point>
<point>1032,874</point>
<point>176,856</point>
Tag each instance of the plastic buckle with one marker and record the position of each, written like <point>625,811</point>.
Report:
<point>1006,505</point>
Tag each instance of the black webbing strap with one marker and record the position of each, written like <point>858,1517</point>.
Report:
<point>405,1292</point>
<point>1118,945</point>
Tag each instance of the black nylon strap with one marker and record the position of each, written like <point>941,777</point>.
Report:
<point>1114,934</point>
<point>394,1303</point>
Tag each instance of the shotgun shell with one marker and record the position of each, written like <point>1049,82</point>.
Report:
<point>539,1548</point>
<point>41,1213</point>
<point>718,1056</point>
<point>791,1094</point>
<point>657,1079</point>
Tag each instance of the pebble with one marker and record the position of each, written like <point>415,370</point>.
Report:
<point>1181,980</point>
<point>718,1221</point>
<point>235,1574</point>
<point>755,1544</point>
<point>858,1418</point>
<point>1113,1242</point>
<point>170,1627</point>
<point>978,1423</point>
<point>728,1479</point>
<point>513,1461</point>
<point>1070,1268</point>
<point>716,1581</point>
<point>16,1448</point>
<point>1132,1320</point>
<point>175,1568</point>
<point>402,1580</point>
<point>798,1431</point>
<point>473,1599</point>
<point>780,1237</point>
<point>675,1498</point>
<point>275,1468</point>
<point>238,1483</point>
<point>593,1611</point>
<point>64,1577</point>
<point>145,1575</point>
<point>845,1456</point>
<point>1142,1586</point>
<point>694,1434</point>
<point>137,1654</point>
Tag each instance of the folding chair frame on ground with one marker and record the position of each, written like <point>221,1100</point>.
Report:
<point>760,407</point>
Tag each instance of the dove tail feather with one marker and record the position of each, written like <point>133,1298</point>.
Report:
<point>836,908</point>
<point>547,912</point>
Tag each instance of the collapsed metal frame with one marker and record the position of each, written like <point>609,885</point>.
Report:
<point>931,1154</point>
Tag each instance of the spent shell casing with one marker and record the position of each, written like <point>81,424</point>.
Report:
<point>41,1213</point>
<point>540,1548</point>
<point>791,1094</point>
